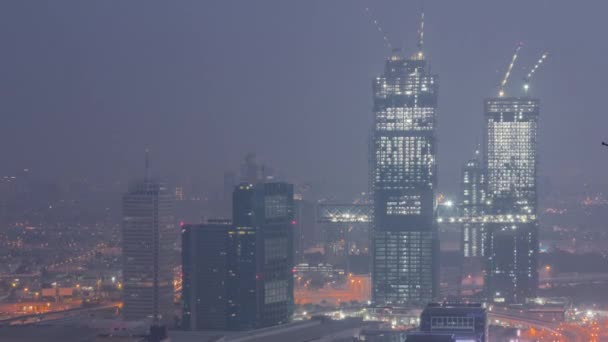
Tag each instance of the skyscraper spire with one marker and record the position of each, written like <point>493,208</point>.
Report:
<point>147,164</point>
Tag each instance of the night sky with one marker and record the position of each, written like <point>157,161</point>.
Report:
<point>85,86</point>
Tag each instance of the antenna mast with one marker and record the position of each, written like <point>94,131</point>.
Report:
<point>147,164</point>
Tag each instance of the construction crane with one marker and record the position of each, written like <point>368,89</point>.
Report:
<point>371,17</point>
<point>540,61</point>
<point>503,83</point>
<point>420,44</point>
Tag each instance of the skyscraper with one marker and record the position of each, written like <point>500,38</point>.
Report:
<point>263,229</point>
<point>209,277</point>
<point>473,202</point>
<point>403,180</point>
<point>511,247</point>
<point>149,236</point>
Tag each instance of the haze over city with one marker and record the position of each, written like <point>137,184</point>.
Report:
<point>90,85</point>
<point>271,170</point>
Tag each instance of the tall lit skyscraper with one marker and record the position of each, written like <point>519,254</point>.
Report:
<point>511,248</point>
<point>473,202</point>
<point>403,178</point>
<point>149,236</point>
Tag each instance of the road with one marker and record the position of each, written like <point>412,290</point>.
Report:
<point>48,317</point>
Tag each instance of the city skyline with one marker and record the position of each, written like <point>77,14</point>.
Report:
<point>448,201</point>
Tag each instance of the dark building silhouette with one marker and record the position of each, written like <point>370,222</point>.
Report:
<point>458,322</point>
<point>511,244</point>
<point>239,276</point>
<point>304,227</point>
<point>404,179</point>
<point>251,171</point>
<point>263,217</point>
<point>209,277</point>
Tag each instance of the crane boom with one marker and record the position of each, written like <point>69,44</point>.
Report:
<point>501,90</point>
<point>387,42</point>
<point>540,61</point>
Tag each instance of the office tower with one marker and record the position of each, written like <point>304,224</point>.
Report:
<point>263,219</point>
<point>511,247</point>
<point>472,207</point>
<point>304,227</point>
<point>208,277</point>
<point>403,180</point>
<point>457,322</point>
<point>149,236</point>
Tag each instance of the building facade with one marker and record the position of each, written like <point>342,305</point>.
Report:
<point>209,277</point>
<point>511,246</point>
<point>473,203</point>
<point>149,237</point>
<point>403,180</point>
<point>263,218</point>
<point>460,322</point>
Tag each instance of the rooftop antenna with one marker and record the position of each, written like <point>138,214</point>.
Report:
<point>387,41</point>
<point>147,164</point>
<point>533,70</point>
<point>503,83</point>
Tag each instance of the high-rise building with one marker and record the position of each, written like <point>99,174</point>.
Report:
<point>304,226</point>
<point>209,278</point>
<point>511,247</point>
<point>263,223</point>
<point>473,202</point>
<point>403,180</point>
<point>149,236</point>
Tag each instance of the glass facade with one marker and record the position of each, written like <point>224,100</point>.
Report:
<point>403,180</point>
<point>263,237</point>
<point>511,248</point>
<point>209,273</point>
<point>473,202</point>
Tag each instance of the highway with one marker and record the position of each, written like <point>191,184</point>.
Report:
<point>570,332</point>
<point>53,316</point>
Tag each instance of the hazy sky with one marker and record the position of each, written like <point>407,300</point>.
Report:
<point>86,85</point>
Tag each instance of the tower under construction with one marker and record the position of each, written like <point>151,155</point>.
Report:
<point>403,180</point>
